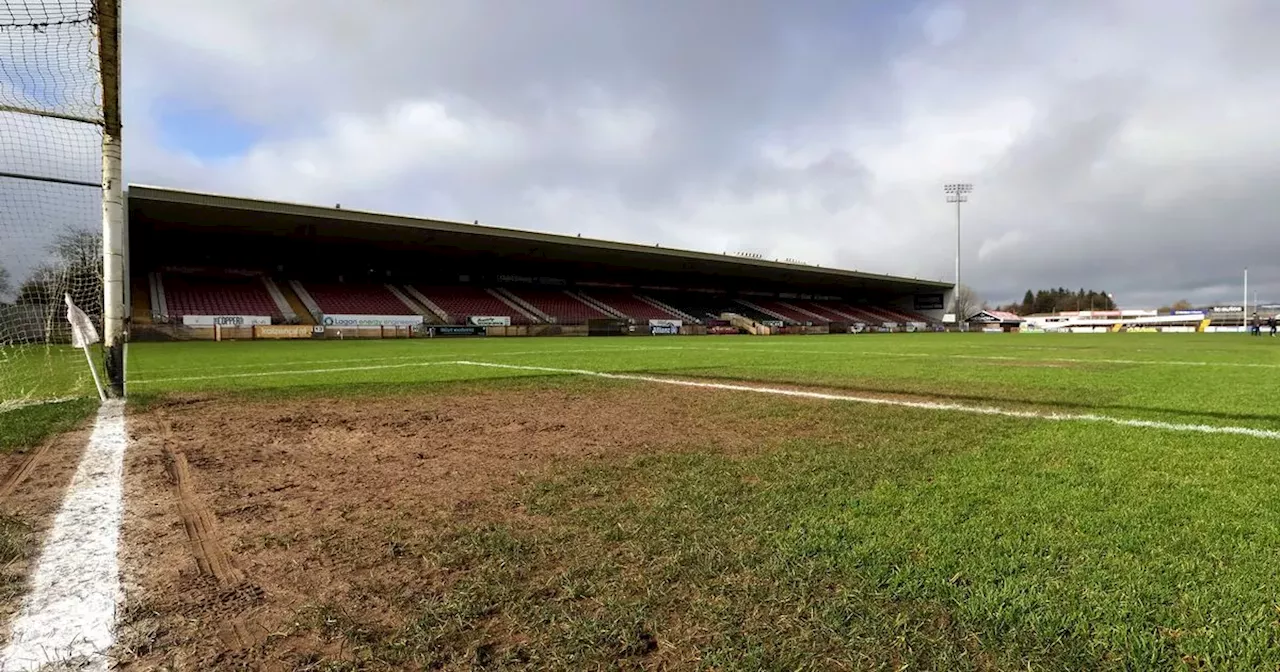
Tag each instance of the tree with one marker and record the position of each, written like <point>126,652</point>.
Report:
<point>967,303</point>
<point>1181,304</point>
<point>1063,299</point>
<point>5,287</point>
<point>77,271</point>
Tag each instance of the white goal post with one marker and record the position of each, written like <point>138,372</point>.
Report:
<point>61,197</point>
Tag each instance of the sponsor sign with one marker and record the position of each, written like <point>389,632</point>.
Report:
<point>1031,330</point>
<point>1227,309</point>
<point>666,323</point>
<point>282,331</point>
<point>928,302</point>
<point>489,320</point>
<point>225,320</point>
<point>857,328</point>
<point>459,330</point>
<point>772,323</point>
<point>722,330</point>
<point>1189,312</point>
<point>663,329</point>
<point>992,330</point>
<point>371,320</point>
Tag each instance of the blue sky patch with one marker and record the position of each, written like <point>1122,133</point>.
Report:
<point>206,133</point>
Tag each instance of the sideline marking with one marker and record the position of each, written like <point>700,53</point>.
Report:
<point>70,613</point>
<point>926,405</point>
<point>6,406</point>
<point>257,374</point>
<point>392,358</point>
<point>999,358</point>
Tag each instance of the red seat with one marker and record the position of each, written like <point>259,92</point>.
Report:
<point>787,313</point>
<point>626,303</point>
<point>231,295</point>
<point>459,303</point>
<point>559,305</point>
<point>345,299</point>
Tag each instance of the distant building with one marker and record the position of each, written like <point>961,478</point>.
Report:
<point>995,320</point>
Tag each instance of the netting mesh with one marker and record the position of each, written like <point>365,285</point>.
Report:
<point>50,194</point>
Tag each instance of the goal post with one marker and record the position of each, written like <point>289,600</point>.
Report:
<point>113,268</point>
<point>61,197</point>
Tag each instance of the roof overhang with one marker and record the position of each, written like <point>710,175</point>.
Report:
<point>198,210</point>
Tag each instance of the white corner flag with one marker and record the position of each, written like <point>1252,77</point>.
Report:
<point>84,335</point>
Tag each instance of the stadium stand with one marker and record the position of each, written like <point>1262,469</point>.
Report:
<point>352,299</point>
<point>630,305</point>
<point>788,312</point>
<point>828,312</point>
<point>215,295</point>
<point>701,305</point>
<point>859,314</point>
<point>559,305</point>
<point>459,303</point>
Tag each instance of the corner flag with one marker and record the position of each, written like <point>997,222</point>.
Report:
<point>83,335</point>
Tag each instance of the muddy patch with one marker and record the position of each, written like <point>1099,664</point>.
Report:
<point>247,522</point>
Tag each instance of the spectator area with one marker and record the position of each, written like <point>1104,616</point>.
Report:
<point>559,305</point>
<point>628,304</point>
<point>353,299</point>
<point>217,295</point>
<point>460,303</point>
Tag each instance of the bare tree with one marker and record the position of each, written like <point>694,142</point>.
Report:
<point>78,272</point>
<point>967,303</point>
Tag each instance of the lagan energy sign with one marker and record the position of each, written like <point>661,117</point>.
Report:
<point>372,320</point>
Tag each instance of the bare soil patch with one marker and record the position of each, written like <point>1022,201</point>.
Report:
<point>246,522</point>
<point>31,491</point>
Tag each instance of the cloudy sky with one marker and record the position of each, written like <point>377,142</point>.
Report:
<point>1127,145</point>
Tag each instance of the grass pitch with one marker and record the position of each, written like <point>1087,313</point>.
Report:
<point>732,530</point>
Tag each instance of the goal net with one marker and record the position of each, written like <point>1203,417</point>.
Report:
<point>51,197</point>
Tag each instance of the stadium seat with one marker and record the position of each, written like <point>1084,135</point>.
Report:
<point>217,295</point>
<point>626,303</point>
<point>559,305</point>
<point>350,299</point>
<point>459,303</point>
<point>788,313</point>
<point>827,311</point>
<point>859,314</point>
<point>701,305</point>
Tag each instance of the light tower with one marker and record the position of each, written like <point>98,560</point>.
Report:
<point>957,193</point>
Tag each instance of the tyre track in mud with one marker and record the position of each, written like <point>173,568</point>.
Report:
<point>235,592</point>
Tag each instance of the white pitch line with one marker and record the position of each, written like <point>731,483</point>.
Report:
<point>70,613</point>
<point>925,405</point>
<point>393,358</point>
<point>13,405</point>
<point>282,374</point>
<point>994,358</point>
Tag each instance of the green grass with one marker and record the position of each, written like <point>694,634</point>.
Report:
<point>33,374</point>
<point>1202,378</point>
<point>30,372</point>
<point>888,538</point>
<point>27,426</point>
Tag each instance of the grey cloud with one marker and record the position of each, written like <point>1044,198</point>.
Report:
<point>726,78</point>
